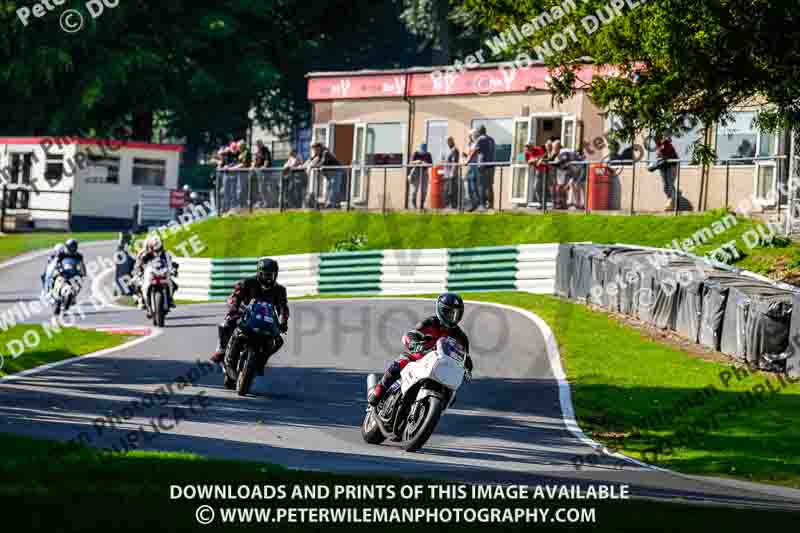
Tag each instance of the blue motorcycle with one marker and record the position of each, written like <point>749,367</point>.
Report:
<point>256,332</point>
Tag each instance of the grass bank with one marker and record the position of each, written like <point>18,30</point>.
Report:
<point>68,343</point>
<point>308,232</point>
<point>85,490</point>
<point>659,404</point>
<point>13,244</point>
<point>311,232</point>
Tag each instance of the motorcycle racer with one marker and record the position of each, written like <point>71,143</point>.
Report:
<point>422,339</point>
<point>262,287</point>
<point>154,249</point>
<point>47,276</point>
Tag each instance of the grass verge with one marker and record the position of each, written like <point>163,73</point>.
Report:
<point>304,232</point>
<point>85,490</point>
<point>659,404</point>
<point>48,347</point>
<point>14,244</point>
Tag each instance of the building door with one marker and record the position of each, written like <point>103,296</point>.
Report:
<point>360,172</point>
<point>766,173</point>
<point>523,129</point>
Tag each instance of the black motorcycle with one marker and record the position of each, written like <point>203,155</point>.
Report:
<point>254,337</point>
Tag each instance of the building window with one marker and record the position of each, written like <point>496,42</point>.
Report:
<point>103,170</point>
<point>619,149</point>
<point>321,135</point>
<point>21,165</point>
<point>502,131</point>
<point>738,139</point>
<point>436,138</point>
<point>385,144</point>
<point>149,172</point>
<point>54,170</point>
<point>683,144</point>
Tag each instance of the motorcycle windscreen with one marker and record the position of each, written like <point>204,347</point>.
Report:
<point>260,318</point>
<point>71,267</point>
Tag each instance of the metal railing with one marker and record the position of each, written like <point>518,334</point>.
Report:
<point>623,186</point>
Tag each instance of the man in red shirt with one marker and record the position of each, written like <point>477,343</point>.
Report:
<point>667,167</point>
<point>537,174</point>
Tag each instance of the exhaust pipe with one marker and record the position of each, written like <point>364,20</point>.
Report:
<point>372,380</point>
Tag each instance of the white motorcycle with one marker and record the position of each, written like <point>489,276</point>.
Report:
<point>156,287</point>
<point>410,409</point>
<point>67,284</point>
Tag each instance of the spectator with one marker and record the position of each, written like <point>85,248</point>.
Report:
<point>321,160</point>
<point>296,180</point>
<point>421,163</point>
<point>560,186</point>
<point>665,152</point>
<point>451,174</point>
<point>471,156</point>
<point>537,175</point>
<point>244,156</point>
<point>260,156</point>
<point>573,163</point>
<point>485,146</point>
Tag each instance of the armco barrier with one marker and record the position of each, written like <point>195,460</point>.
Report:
<point>528,267</point>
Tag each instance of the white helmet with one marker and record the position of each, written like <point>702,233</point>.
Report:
<point>59,249</point>
<point>154,244</point>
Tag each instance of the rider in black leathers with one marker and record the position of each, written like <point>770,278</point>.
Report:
<point>262,287</point>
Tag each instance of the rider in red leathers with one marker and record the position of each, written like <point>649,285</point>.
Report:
<point>422,339</point>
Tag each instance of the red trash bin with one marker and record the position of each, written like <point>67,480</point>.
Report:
<point>436,187</point>
<point>599,187</point>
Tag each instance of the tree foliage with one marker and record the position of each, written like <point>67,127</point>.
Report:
<point>674,57</point>
<point>198,66</point>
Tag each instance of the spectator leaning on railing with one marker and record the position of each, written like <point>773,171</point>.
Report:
<point>471,185</point>
<point>665,152</point>
<point>421,162</point>
<point>486,148</point>
<point>537,174</point>
<point>321,158</point>
<point>451,173</point>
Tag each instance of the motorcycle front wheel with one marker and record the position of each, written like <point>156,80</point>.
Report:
<point>418,431</point>
<point>247,374</point>
<point>159,309</point>
<point>370,431</point>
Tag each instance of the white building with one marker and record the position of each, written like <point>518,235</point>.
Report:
<point>81,184</point>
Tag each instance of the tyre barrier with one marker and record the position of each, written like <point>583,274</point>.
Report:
<point>528,267</point>
<point>743,315</point>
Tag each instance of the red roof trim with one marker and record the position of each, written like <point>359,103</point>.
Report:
<point>111,143</point>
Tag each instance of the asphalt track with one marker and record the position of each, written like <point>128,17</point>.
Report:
<point>506,427</point>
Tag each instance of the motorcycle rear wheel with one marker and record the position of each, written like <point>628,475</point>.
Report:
<point>417,434</point>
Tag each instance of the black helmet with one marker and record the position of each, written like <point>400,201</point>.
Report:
<point>267,271</point>
<point>450,309</point>
<point>72,246</point>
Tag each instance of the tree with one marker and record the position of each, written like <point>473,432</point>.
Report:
<point>674,58</point>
